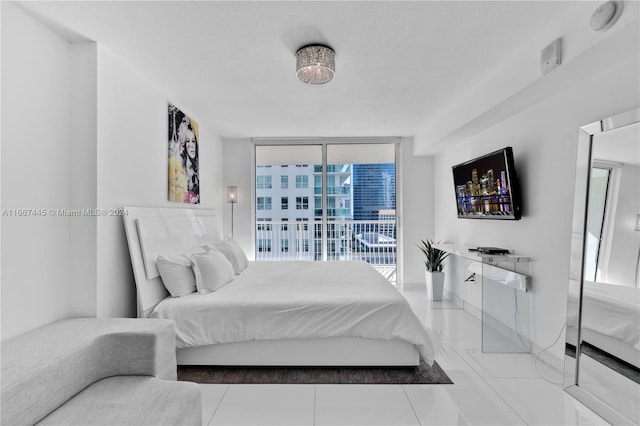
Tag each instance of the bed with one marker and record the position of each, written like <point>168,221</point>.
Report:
<point>610,318</point>
<point>273,313</point>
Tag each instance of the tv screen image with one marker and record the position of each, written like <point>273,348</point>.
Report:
<point>487,187</point>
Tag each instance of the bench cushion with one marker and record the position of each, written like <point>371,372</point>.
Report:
<point>131,400</point>
<point>43,368</point>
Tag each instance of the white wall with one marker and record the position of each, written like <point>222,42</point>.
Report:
<point>544,140</point>
<point>36,129</point>
<point>81,130</point>
<point>83,231</point>
<point>132,170</point>
<point>237,155</point>
<point>417,212</point>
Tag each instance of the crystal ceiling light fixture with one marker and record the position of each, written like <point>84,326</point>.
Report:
<point>315,64</point>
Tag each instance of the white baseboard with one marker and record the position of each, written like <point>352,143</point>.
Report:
<point>473,310</point>
<point>508,338</point>
<point>549,358</point>
<point>453,298</point>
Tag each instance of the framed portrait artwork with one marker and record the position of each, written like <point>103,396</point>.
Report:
<point>184,164</point>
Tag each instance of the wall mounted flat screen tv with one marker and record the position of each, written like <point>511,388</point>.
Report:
<point>487,187</point>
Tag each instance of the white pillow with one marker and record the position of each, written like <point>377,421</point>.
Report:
<point>201,248</point>
<point>212,271</point>
<point>208,246</point>
<point>232,250</point>
<point>238,252</point>
<point>177,275</point>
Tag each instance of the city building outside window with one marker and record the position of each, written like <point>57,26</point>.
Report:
<point>263,203</point>
<point>359,206</point>
<point>317,184</point>
<point>302,181</point>
<point>302,203</point>
<point>302,245</point>
<point>264,245</point>
<point>263,182</point>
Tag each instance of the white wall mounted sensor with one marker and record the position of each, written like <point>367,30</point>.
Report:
<point>551,56</point>
<point>606,15</point>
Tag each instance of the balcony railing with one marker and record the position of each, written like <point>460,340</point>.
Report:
<point>333,190</point>
<point>371,241</point>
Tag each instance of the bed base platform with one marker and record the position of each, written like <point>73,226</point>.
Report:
<point>329,352</point>
<point>608,344</point>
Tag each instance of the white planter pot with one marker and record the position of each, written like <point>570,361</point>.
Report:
<point>435,283</point>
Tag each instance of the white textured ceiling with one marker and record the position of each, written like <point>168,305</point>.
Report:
<point>232,64</point>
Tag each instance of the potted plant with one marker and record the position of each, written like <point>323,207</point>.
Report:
<point>433,262</point>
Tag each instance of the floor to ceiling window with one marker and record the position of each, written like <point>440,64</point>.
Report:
<point>327,201</point>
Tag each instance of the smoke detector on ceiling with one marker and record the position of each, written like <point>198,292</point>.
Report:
<point>606,15</point>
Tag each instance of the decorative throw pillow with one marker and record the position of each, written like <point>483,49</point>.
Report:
<point>238,252</point>
<point>177,275</point>
<point>234,254</point>
<point>208,246</point>
<point>212,270</point>
<point>200,248</point>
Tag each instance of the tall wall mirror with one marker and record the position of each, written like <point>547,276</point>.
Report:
<point>602,357</point>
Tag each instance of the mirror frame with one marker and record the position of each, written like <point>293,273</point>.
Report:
<point>577,263</point>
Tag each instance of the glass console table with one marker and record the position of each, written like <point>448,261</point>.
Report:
<point>494,288</point>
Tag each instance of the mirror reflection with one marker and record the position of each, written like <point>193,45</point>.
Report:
<point>608,366</point>
<point>614,203</point>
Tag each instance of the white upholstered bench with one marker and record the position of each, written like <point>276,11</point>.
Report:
<point>116,371</point>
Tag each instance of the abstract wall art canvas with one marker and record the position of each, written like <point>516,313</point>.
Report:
<point>184,165</point>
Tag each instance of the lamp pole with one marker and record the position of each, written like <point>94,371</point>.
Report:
<point>232,197</point>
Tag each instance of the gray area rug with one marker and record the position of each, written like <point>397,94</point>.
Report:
<point>423,374</point>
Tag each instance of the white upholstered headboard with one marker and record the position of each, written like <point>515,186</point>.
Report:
<point>152,231</point>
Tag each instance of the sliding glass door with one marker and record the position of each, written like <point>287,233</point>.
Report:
<point>361,205</point>
<point>327,201</point>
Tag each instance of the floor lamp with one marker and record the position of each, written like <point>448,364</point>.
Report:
<point>232,198</point>
<point>638,262</point>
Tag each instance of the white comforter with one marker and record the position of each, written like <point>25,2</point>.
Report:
<point>297,300</point>
<point>608,309</point>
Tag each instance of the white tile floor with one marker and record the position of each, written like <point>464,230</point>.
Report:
<point>488,389</point>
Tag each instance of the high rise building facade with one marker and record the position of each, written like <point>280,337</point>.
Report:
<point>289,210</point>
<point>374,189</point>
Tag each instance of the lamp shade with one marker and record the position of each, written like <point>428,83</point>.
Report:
<point>232,194</point>
<point>315,64</point>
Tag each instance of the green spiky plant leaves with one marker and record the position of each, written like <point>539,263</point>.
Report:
<point>434,258</point>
